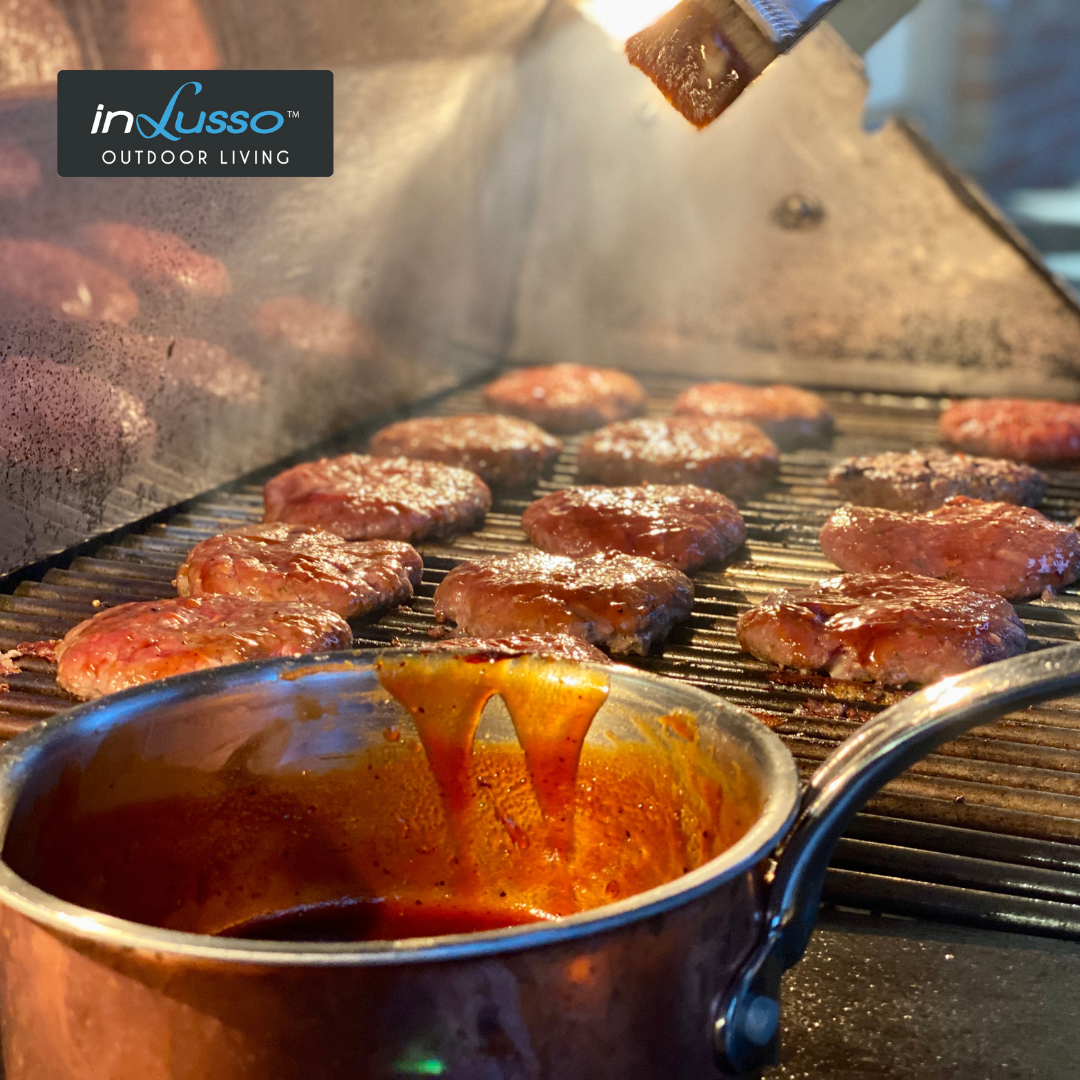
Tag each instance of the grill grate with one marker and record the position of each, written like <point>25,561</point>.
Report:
<point>984,831</point>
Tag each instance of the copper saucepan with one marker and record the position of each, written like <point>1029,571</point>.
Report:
<point>682,980</point>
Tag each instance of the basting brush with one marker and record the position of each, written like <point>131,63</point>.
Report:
<point>702,54</point>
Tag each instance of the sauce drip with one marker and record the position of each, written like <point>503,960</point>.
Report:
<point>446,702</point>
<point>552,708</point>
<point>551,705</point>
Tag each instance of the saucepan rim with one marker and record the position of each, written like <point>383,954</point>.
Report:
<point>780,787</point>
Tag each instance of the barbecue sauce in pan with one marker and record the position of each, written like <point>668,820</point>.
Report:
<point>413,837</point>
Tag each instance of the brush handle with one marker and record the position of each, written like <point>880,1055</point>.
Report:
<point>783,22</point>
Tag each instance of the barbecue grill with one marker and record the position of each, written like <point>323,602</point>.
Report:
<point>984,832</point>
<point>508,191</point>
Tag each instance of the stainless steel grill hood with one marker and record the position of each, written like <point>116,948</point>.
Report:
<point>507,186</point>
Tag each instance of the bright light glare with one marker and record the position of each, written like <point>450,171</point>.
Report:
<point>424,1067</point>
<point>84,923</point>
<point>947,694</point>
<point>621,19</point>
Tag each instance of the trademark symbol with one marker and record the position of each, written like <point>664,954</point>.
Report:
<point>294,113</point>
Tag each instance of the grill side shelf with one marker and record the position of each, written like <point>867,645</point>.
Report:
<point>986,831</point>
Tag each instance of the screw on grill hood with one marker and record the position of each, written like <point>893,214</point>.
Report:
<point>799,212</point>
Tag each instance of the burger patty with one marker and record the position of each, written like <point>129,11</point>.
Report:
<point>567,397</point>
<point>504,451</point>
<point>725,455</point>
<point>159,259</point>
<point>360,497</point>
<point>137,643</point>
<point>889,628</point>
<point>1000,548</point>
<point>1018,428</point>
<point>683,526</point>
<point>64,283</point>
<point>789,416</point>
<point>924,479</point>
<point>552,646</point>
<point>620,601</point>
<point>297,562</point>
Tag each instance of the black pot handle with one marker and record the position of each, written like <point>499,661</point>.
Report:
<point>747,1017</point>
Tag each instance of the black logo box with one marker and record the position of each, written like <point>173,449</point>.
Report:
<point>292,112</point>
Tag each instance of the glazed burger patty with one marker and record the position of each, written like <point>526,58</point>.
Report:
<point>724,455</point>
<point>889,628</point>
<point>620,601</point>
<point>789,416</point>
<point>1012,551</point>
<point>137,643</point>
<point>504,451</point>
<point>1017,428</point>
<point>567,397</point>
<point>552,646</point>
<point>681,525</point>
<point>924,479</point>
<point>360,497</point>
<point>299,562</point>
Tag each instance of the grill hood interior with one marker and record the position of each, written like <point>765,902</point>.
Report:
<point>506,187</point>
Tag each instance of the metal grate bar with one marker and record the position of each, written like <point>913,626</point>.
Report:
<point>988,909</point>
<point>893,860</point>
